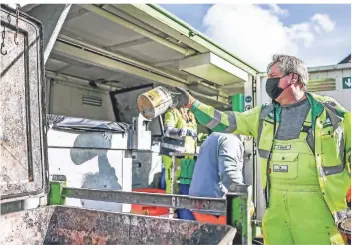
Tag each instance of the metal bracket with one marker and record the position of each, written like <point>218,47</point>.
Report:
<point>163,200</point>
<point>237,207</point>
<point>57,184</point>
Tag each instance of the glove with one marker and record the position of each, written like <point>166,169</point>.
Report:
<point>183,132</point>
<point>202,137</point>
<point>184,99</point>
<point>192,133</point>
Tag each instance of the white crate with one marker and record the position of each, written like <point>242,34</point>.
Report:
<point>95,160</point>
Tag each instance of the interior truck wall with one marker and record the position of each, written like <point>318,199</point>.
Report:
<point>146,169</point>
<point>66,99</point>
<point>342,95</point>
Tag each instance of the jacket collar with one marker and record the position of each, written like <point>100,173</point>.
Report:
<point>316,107</point>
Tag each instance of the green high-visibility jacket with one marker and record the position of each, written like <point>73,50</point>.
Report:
<point>331,127</point>
<point>173,118</point>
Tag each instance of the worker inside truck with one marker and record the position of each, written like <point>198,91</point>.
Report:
<point>304,147</point>
<point>180,136</point>
<point>219,164</point>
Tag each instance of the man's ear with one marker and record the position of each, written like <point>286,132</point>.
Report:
<point>294,78</point>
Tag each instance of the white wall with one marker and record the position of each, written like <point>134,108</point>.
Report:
<point>343,96</point>
<point>66,99</point>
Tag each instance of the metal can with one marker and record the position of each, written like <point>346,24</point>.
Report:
<point>154,102</point>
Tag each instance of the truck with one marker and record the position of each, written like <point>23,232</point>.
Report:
<point>73,144</point>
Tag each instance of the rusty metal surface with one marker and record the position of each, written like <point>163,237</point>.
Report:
<point>64,225</point>
<point>23,226</point>
<point>164,200</point>
<point>21,104</point>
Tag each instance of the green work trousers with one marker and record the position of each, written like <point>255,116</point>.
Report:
<point>297,212</point>
<point>167,161</point>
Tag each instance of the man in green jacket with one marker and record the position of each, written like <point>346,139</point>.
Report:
<point>304,148</point>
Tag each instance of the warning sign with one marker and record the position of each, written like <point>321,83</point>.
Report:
<point>346,82</point>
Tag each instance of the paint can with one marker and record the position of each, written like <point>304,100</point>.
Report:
<point>154,102</point>
<point>344,226</point>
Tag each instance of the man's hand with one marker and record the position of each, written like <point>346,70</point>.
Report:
<point>184,99</point>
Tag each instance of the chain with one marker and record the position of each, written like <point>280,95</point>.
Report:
<point>3,34</point>
<point>3,52</point>
<point>17,17</point>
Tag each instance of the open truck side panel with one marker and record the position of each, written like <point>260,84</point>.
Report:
<point>22,103</point>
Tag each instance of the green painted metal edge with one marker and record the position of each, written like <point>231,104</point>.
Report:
<point>238,102</point>
<point>55,197</point>
<point>237,212</point>
<point>240,216</point>
<point>197,37</point>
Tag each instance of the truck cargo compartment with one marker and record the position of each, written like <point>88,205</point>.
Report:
<point>68,225</point>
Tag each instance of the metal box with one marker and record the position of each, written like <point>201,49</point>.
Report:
<point>91,154</point>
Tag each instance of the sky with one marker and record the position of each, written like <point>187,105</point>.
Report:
<point>319,34</point>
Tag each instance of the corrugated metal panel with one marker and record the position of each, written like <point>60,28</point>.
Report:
<point>325,84</point>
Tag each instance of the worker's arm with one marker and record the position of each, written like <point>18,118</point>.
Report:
<point>346,125</point>
<point>336,107</point>
<point>230,155</point>
<point>327,100</point>
<point>333,105</point>
<point>347,135</point>
<point>245,123</point>
<point>170,126</point>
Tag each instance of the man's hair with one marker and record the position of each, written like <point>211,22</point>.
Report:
<point>290,64</point>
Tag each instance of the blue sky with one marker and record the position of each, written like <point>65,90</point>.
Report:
<point>320,34</point>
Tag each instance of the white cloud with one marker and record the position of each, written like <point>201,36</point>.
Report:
<point>250,32</point>
<point>277,10</point>
<point>254,34</point>
<point>324,21</point>
<point>317,28</point>
<point>301,32</point>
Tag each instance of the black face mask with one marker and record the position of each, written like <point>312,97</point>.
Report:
<point>272,87</point>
